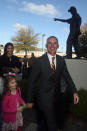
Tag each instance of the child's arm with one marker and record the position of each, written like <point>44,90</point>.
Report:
<point>22,101</point>
<point>5,105</point>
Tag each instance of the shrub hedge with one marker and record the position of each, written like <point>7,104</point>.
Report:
<point>80,109</point>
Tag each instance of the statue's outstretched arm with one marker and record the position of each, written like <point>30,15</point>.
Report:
<point>61,20</point>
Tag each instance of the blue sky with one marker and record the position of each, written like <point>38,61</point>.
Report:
<point>38,14</point>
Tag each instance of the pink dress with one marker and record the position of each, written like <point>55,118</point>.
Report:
<point>13,125</point>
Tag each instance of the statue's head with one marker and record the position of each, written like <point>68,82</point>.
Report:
<point>72,9</point>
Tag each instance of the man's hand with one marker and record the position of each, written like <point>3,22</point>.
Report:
<point>30,105</point>
<point>76,98</point>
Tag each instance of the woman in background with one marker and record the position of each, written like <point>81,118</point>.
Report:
<point>8,61</point>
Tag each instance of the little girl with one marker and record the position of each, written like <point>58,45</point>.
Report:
<point>12,105</point>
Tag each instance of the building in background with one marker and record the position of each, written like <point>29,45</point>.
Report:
<point>36,53</point>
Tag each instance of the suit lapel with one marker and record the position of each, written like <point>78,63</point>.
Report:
<point>58,65</point>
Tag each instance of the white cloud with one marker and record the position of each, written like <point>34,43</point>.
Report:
<point>17,26</point>
<point>47,9</point>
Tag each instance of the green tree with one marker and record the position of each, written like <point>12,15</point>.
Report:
<point>84,28</point>
<point>83,37</point>
<point>83,40</point>
<point>26,39</point>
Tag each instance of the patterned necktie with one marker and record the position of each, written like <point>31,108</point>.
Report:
<point>53,65</point>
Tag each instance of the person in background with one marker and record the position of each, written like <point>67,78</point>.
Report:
<point>8,61</point>
<point>0,52</point>
<point>48,70</point>
<point>31,60</point>
<point>12,105</point>
<point>25,62</point>
<point>75,23</point>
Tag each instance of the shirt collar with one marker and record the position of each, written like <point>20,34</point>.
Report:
<point>50,56</point>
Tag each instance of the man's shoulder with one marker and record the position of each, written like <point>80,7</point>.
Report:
<point>60,58</point>
<point>42,57</point>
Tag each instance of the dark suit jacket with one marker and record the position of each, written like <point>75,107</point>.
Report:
<point>48,84</point>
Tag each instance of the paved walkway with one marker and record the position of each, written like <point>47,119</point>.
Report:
<point>30,122</point>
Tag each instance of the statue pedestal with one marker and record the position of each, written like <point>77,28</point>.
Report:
<point>78,72</point>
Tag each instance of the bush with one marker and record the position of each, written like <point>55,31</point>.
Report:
<point>80,109</point>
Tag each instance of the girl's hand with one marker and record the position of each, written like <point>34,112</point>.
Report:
<point>20,109</point>
<point>24,106</point>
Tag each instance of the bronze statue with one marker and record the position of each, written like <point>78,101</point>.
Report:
<point>75,23</point>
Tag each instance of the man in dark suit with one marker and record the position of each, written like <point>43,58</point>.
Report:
<point>49,84</point>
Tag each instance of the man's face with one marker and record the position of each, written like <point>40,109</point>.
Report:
<point>52,46</point>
